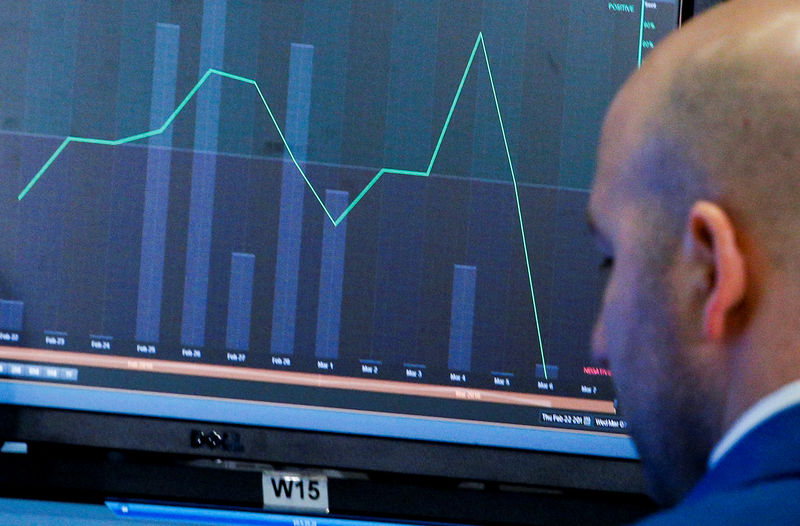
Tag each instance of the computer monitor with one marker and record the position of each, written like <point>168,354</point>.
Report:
<point>359,223</point>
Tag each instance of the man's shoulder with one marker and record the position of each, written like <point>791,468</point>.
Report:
<point>756,482</point>
<point>771,502</point>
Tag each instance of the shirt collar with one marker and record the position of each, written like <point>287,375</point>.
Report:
<point>768,406</point>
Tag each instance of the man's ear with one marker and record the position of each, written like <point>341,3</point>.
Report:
<point>710,240</point>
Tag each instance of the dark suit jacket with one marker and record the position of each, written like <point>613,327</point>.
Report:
<point>755,482</point>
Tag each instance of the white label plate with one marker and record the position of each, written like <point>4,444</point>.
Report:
<point>295,491</point>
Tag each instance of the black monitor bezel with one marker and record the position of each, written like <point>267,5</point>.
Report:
<point>323,450</point>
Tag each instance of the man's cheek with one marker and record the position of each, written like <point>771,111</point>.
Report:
<point>599,343</point>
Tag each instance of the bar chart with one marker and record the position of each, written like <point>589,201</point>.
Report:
<point>369,205</point>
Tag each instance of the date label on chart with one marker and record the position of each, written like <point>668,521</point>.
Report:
<point>295,491</point>
<point>12,337</point>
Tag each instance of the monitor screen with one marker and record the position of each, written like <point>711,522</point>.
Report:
<point>356,217</point>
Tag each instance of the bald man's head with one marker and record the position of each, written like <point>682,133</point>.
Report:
<point>723,94</point>
<point>697,199</point>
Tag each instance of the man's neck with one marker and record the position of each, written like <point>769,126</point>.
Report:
<point>771,404</point>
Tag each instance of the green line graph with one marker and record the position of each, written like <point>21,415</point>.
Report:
<point>641,34</point>
<point>479,45</point>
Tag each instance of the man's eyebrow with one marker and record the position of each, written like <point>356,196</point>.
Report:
<point>590,222</point>
<point>600,239</point>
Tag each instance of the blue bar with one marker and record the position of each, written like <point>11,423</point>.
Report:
<point>290,226</point>
<point>165,74</point>
<point>552,371</point>
<point>240,301</point>
<point>11,315</point>
<point>331,277</point>
<point>462,318</point>
<point>201,206</point>
<point>156,193</point>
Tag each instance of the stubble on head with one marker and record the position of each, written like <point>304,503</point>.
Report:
<point>663,384</point>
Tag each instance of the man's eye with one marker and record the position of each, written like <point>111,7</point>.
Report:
<point>607,263</point>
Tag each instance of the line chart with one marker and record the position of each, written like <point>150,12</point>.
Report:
<point>479,45</point>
